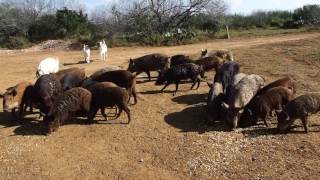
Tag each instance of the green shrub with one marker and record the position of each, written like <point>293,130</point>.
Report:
<point>16,42</point>
<point>309,14</point>
<point>293,24</point>
<point>44,28</point>
<point>64,24</point>
<point>87,39</point>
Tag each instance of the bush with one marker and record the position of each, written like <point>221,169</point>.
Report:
<point>88,40</point>
<point>16,42</point>
<point>309,14</point>
<point>205,23</point>
<point>64,24</point>
<point>293,24</point>
<point>75,23</point>
<point>44,28</point>
<point>275,24</point>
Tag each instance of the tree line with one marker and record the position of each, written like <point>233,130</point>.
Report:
<point>151,22</point>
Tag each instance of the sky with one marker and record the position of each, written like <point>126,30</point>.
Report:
<point>236,6</point>
<point>248,6</point>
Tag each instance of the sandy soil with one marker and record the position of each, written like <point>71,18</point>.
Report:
<point>166,138</point>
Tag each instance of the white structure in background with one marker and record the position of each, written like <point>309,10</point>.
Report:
<point>179,31</point>
<point>86,53</point>
<point>167,34</point>
<point>103,50</point>
<point>47,66</point>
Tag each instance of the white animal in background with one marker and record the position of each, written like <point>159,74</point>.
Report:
<point>47,66</point>
<point>86,53</point>
<point>103,50</point>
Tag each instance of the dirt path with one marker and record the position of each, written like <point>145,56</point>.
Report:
<point>123,54</point>
<point>212,44</point>
<point>166,138</point>
<point>228,44</point>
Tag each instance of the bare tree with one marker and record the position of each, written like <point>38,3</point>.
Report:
<point>110,19</point>
<point>163,15</point>
<point>144,18</point>
<point>36,8</point>
<point>216,8</point>
<point>30,10</point>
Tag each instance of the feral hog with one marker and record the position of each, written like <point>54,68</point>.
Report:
<point>28,101</point>
<point>222,53</point>
<point>216,97</point>
<point>105,96</point>
<point>226,74</point>
<point>60,74</point>
<point>287,82</point>
<point>147,63</point>
<point>239,96</point>
<point>299,108</point>
<point>214,108</point>
<point>73,79</point>
<point>70,101</point>
<point>89,81</point>
<point>13,96</point>
<point>178,73</point>
<point>46,88</point>
<point>225,54</point>
<point>261,106</point>
<point>103,70</point>
<point>214,90</point>
<point>179,59</point>
<point>247,116</point>
<point>210,63</point>
<point>121,78</point>
<point>214,102</point>
<point>106,84</point>
<point>237,78</point>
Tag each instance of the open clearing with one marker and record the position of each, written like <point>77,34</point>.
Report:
<point>166,138</point>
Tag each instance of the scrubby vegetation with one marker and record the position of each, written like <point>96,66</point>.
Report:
<point>160,22</point>
<point>64,24</point>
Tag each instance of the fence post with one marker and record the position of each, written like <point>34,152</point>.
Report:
<point>227,27</point>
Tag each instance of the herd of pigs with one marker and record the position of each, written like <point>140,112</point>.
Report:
<point>238,99</point>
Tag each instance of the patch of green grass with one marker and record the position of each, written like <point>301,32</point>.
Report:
<point>255,32</point>
<point>16,42</point>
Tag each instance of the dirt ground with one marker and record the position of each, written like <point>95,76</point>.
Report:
<point>166,138</point>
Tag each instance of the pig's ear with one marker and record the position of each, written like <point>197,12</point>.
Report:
<point>204,51</point>
<point>250,112</point>
<point>225,105</point>
<point>10,89</point>
<point>14,92</point>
